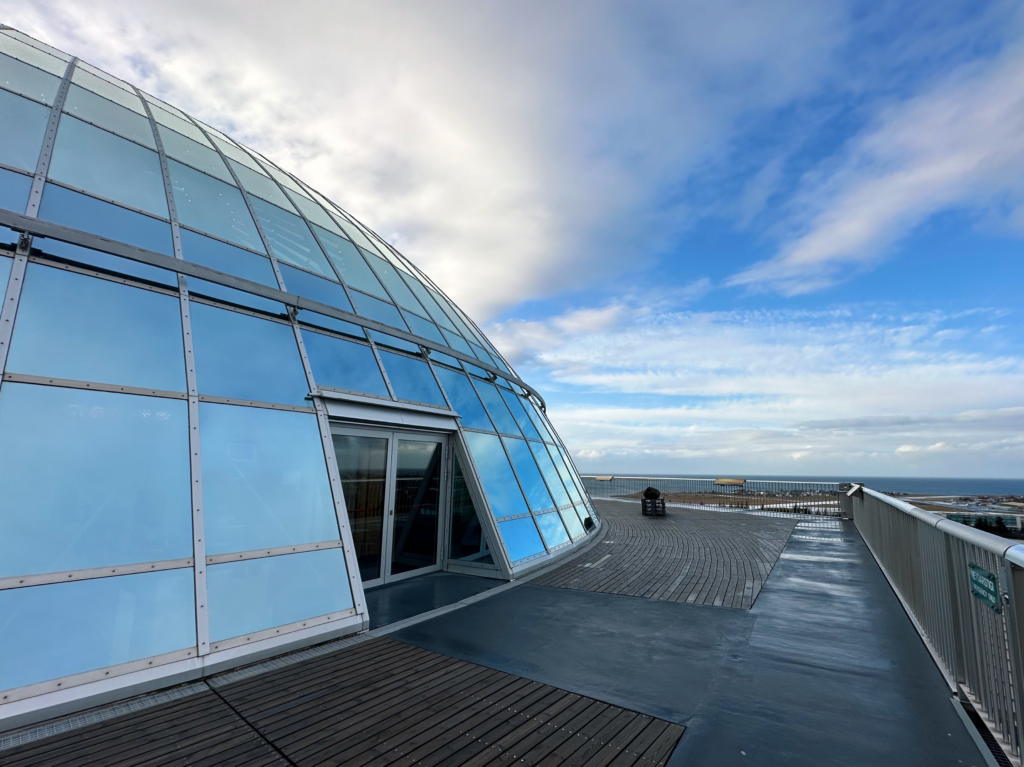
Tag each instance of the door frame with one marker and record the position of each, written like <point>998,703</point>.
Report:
<point>393,435</point>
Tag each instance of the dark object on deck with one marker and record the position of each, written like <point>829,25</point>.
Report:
<point>588,524</point>
<point>651,493</point>
<point>652,507</point>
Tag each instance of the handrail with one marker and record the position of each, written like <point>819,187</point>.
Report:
<point>711,479</point>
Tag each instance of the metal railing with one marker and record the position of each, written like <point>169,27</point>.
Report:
<point>768,496</point>
<point>964,591</point>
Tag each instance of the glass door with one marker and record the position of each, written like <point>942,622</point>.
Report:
<point>392,484</point>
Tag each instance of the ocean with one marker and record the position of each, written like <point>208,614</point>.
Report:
<point>913,485</point>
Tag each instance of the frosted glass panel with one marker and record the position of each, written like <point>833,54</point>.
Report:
<point>21,78</point>
<point>69,628</point>
<point>290,238</point>
<point>264,479</point>
<point>97,110</point>
<point>192,153</point>
<point>350,264</point>
<point>260,594</point>
<point>212,206</point>
<point>21,131</point>
<point>91,479</point>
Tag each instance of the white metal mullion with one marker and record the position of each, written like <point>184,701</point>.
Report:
<point>49,139</point>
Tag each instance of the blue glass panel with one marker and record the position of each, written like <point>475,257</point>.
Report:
<point>88,329</point>
<point>495,472</point>
<point>481,354</point>
<point>5,272</point>
<point>350,263</point>
<point>499,381</point>
<point>343,365</point>
<point>173,121</point>
<point>21,131</point>
<point>521,538</point>
<point>429,304</point>
<point>538,421</point>
<point>528,473</point>
<point>496,407</point>
<point>212,206</point>
<point>340,326</point>
<point>425,328</point>
<point>311,210</point>
<point>394,283</point>
<point>14,189</point>
<point>290,238</point>
<point>260,185</point>
<point>411,379</point>
<point>383,339</point>
<point>499,364</point>
<point>475,370</point>
<point>547,468</point>
<point>8,236</point>
<point>27,80</point>
<point>99,162</point>
<point>79,211</point>
<point>258,594</point>
<point>315,288</point>
<point>566,473</point>
<point>192,153</point>
<point>377,310</point>
<point>572,523</point>
<point>552,529</point>
<point>264,479</point>
<point>445,358</point>
<point>97,110</point>
<point>246,358</point>
<point>515,405</point>
<point>464,400</point>
<point>102,85</point>
<point>218,255</point>
<point>69,628</point>
<point>106,262</point>
<point>91,479</point>
<point>232,296</point>
<point>458,342</point>
<point>19,48</point>
<point>583,513</point>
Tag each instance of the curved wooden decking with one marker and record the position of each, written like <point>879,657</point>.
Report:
<point>689,555</point>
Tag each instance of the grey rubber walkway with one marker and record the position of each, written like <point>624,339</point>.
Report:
<point>825,669</point>
<point>404,599</point>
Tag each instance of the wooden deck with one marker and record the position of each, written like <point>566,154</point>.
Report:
<point>380,702</point>
<point>689,555</point>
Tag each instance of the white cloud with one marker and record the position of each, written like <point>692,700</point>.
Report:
<point>765,392</point>
<point>959,144</point>
<point>505,147</point>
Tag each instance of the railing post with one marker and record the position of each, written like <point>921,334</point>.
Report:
<point>957,616</point>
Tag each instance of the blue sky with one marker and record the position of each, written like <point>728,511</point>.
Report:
<point>720,237</point>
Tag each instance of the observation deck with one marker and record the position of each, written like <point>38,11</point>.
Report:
<point>742,637</point>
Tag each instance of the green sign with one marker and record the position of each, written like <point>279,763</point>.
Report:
<point>984,586</point>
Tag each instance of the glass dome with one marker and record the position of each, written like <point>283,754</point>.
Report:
<point>227,405</point>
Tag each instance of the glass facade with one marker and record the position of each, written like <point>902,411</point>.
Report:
<point>170,369</point>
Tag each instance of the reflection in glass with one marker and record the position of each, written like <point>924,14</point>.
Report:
<point>395,284</point>
<point>87,329</point>
<point>572,523</point>
<point>21,78</point>
<point>464,400</point>
<point>547,468</point>
<point>552,529</point>
<point>261,186</point>
<point>178,124</point>
<point>425,328</point>
<point>383,339</point>
<point>428,303</point>
<point>456,341</point>
<point>218,255</point>
<point>311,210</point>
<point>515,405</point>
<point>232,296</point>
<point>264,479</point>
<point>79,211</point>
<point>91,479</point>
<point>315,288</point>
<point>564,473</point>
<point>496,475</point>
<point>21,131</point>
<point>585,516</point>
<point>106,262</point>
<point>331,323</point>
<point>378,310</point>
<point>87,106</point>
<point>529,476</point>
<point>538,420</point>
<point>411,379</point>
<point>69,628</point>
<point>14,189</point>
<point>258,594</point>
<point>350,263</point>
<point>342,364</point>
<point>86,79</point>
<point>209,205</point>
<point>467,540</point>
<point>363,466</point>
<point>496,407</point>
<point>30,54</point>
<point>193,153</point>
<point>521,538</point>
<point>290,238</point>
<point>95,161</point>
<point>417,504</point>
<point>246,358</point>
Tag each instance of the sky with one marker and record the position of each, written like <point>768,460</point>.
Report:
<point>722,237</point>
